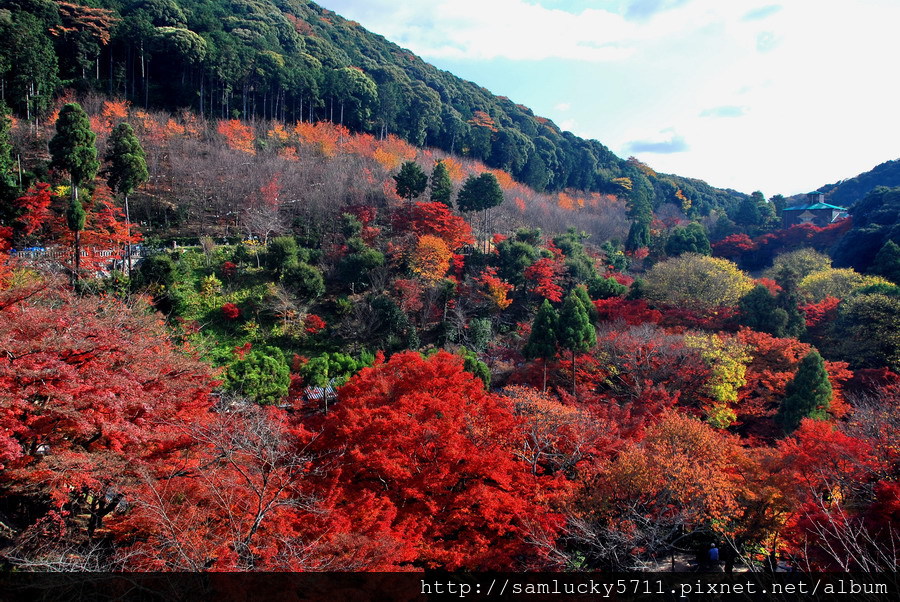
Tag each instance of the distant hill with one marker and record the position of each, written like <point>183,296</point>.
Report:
<point>294,60</point>
<point>847,192</point>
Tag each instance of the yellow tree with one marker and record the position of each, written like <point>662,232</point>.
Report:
<point>697,282</point>
<point>431,258</point>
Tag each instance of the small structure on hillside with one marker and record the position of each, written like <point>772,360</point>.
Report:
<point>814,211</point>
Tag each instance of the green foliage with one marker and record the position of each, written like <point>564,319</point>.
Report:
<point>304,280</point>
<point>778,316</point>
<point>391,329</point>
<point>72,149</point>
<point>262,375</point>
<point>157,269</point>
<point>441,186</point>
<point>475,366</point>
<point>28,62</point>
<point>887,262</point>
<point>354,268</point>
<point>542,340</point>
<point>848,191</point>
<point>351,227</point>
<point>615,255</point>
<point>479,333</point>
<point>581,292</point>
<point>333,368</point>
<point>788,269</point>
<point>75,215</point>
<point>579,265</point>
<point>479,193</point>
<point>876,220</point>
<point>281,254</point>
<point>604,287</point>
<point>808,395</point>
<point>866,333</point>
<point>513,256</point>
<point>127,163</point>
<point>688,239</point>
<point>6,159</point>
<point>411,181</point>
<point>575,331</point>
<point>287,60</point>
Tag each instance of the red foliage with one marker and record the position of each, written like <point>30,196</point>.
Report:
<point>732,247</point>
<point>447,491</point>
<point>770,285</point>
<point>631,312</point>
<point>239,500</point>
<point>313,324</point>
<point>623,279</point>
<point>821,312</point>
<point>543,278</point>
<point>35,206</point>
<point>91,392</point>
<point>229,270</point>
<point>493,289</point>
<point>434,219</point>
<point>105,228</point>
<point>237,135</point>
<point>231,311</point>
<point>410,294</point>
<point>5,245</point>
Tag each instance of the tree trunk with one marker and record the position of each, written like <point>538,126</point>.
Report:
<point>545,374</point>
<point>574,391</point>
<point>128,234</point>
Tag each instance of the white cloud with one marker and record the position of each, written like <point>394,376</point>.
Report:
<point>563,107</point>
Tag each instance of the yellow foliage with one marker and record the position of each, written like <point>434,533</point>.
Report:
<point>625,183</point>
<point>838,283</point>
<point>454,169</point>
<point>727,360</point>
<point>431,259</point>
<point>388,161</point>
<point>697,282</point>
<point>278,133</point>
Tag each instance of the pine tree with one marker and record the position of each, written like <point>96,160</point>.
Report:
<point>411,181</point>
<point>808,395</point>
<point>441,186</point>
<point>585,298</point>
<point>72,150</point>
<point>126,169</point>
<point>542,341</point>
<point>575,331</point>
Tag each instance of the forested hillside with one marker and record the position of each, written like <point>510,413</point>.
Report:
<point>236,336</point>
<point>846,192</point>
<point>293,60</point>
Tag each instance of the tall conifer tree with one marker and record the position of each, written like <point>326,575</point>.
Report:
<point>808,395</point>
<point>72,150</point>
<point>441,186</point>
<point>126,169</point>
<point>542,340</point>
<point>575,332</point>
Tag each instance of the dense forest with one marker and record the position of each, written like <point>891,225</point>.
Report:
<point>277,295</point>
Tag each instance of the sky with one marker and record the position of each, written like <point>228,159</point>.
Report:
<point>778,96</point>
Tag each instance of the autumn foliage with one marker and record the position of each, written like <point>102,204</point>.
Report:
<point>447,492</point>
